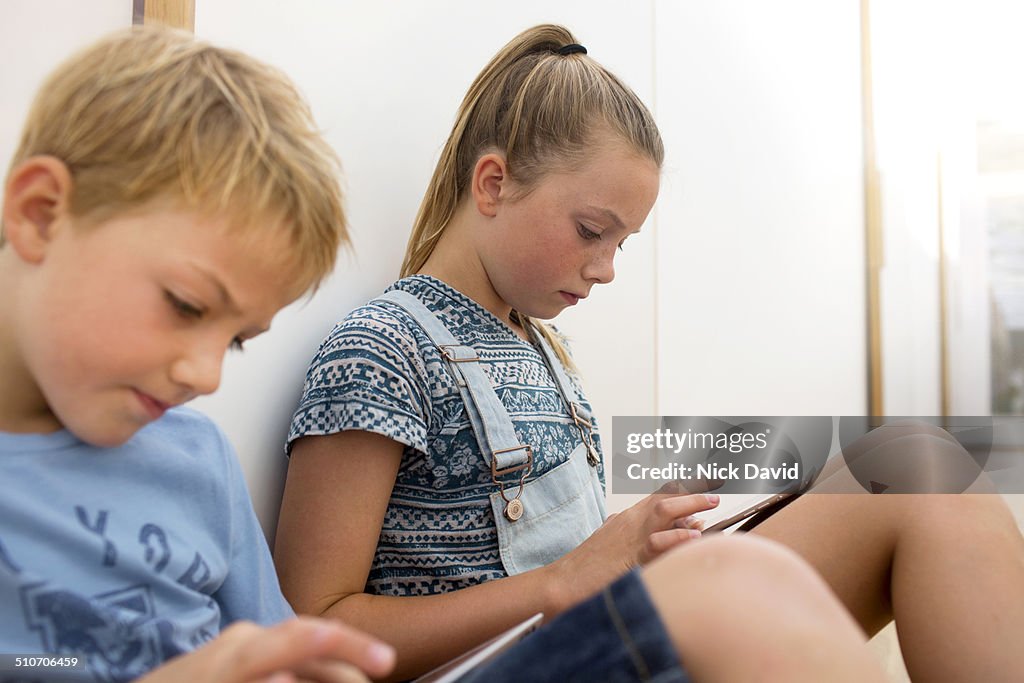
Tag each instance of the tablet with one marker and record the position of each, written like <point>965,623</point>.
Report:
<point>761,509</point>
<point>763,505</point>
<point>454,669</point>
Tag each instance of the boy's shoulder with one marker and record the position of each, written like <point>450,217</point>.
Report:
<point>189,435</point>
<point>180,428</point>
<point>185,422</point>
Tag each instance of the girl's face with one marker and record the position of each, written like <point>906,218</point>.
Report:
<point>545,250</point>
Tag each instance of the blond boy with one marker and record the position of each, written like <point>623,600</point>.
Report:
<point>167,198</point>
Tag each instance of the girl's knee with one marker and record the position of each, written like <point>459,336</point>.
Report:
<point>742,584</point>
<point>744,596</point>
<point>728,566</point>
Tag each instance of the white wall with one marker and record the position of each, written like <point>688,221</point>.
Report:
<point>760,223</point>
<point>385,80</point>
<point>743,294</point>
<point>746,294</point>
<point>908,122</point>
<point>36,37</point>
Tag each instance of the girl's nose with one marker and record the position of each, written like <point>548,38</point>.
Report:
<point>601,269</point>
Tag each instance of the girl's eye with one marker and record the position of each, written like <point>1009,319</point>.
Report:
<point>622,242</point>
<point>587,233</point>
<point>184,309</point>
<point>238,344</point>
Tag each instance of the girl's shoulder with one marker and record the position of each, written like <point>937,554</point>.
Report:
<point>381,310</point>
<point>380,333</point>
<point>374,327</point>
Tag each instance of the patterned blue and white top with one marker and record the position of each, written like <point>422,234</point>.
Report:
<point>377,371</point>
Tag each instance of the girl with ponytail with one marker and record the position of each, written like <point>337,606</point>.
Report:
<point>446,479</point>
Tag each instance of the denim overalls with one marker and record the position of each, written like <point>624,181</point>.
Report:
<point>541,519</point>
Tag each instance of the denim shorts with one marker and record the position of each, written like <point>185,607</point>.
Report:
<point>615,636</point>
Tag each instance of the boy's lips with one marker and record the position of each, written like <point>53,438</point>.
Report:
<point>155,408</point>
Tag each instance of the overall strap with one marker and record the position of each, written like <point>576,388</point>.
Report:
<point>488,417</point>
<point>579,412</point>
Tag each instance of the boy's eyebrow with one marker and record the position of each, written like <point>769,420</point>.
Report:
<point>225,295</point>
<point>222,291</point>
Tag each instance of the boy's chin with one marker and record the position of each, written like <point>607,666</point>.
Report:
<point>105,435</point>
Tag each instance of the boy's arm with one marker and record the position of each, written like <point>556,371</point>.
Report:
<point>334,503</point>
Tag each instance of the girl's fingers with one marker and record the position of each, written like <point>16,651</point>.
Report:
<point>676,487</point>
<point>690,522</point>
<point>662,541</point>
<point>667,509</point>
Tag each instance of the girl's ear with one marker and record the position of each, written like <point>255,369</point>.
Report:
<point>37,194</point>
<point>490,175</point>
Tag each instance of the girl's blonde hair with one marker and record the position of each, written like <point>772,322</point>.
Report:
<point>151,112</point>
<point>543,110</point>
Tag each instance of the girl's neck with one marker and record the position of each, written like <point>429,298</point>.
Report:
<point>456,262</point>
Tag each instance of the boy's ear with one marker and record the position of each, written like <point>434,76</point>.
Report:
<point>490,177</point>
<point>37,194</point>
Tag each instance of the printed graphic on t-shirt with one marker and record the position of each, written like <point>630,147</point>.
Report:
<point>118,632</point>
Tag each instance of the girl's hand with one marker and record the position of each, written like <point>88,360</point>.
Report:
<point>298,649</point>
<point>631,538</point>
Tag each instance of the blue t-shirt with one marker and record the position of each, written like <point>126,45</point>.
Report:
<point>128,556</point>
<point>378,372</point>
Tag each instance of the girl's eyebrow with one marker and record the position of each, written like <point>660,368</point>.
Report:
<point>610,215</point>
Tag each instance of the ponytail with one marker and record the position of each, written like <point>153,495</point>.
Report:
<point>540,105</point>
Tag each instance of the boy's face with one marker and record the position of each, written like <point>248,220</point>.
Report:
<point>123,319</point>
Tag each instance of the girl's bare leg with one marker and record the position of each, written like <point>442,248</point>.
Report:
<point>949,569</point>
<point>744,609</point>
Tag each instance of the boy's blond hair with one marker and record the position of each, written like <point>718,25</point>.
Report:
<point>151,112</point>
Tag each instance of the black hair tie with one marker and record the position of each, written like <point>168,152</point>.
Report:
<point>572,49</point>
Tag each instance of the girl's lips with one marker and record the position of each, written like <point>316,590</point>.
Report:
<point>570,297</point>
<point>153,407</point>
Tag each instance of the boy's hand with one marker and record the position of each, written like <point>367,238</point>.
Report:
<point>298,649</point>
<point>633,537</point>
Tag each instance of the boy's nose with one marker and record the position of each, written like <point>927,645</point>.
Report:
<point>199,371</point>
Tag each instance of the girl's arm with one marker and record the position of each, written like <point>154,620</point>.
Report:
<point>334,503</point>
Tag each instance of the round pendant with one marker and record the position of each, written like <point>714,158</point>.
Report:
<point>514,509</point>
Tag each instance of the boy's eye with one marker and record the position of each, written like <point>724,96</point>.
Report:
<point>187,310</point>
<point>623,242</point>
<point>586,233</point>
<point>184,308</point>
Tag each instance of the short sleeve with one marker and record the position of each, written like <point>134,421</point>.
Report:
<point>368,375</point>
<point>251,590</point>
